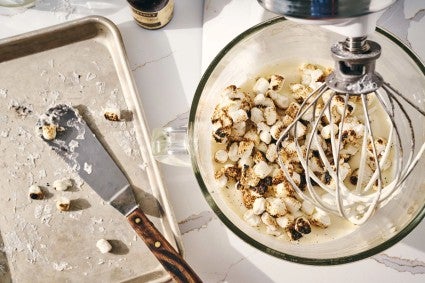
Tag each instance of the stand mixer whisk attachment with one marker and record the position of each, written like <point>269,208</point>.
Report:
<point>342,120</point>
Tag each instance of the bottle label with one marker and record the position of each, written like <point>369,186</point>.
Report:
<point>154,20</point>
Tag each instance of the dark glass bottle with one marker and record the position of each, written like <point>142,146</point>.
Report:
<point>152,14</point>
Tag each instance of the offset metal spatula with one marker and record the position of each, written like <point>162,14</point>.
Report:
<point>79,147</point>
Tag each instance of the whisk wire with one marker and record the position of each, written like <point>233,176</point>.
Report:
<point>413,158</point>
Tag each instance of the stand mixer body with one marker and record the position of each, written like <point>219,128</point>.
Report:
<point>325,9</point>
<point>354,76</point>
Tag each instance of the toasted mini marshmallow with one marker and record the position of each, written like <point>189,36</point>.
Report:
<point>262,169</point>
<point>276,82</point>
<point>277,129</point>
<point>49,131</point>
<point>248,177</point>
<point>221,134</point>
<point>293,234</point>
<point>221,156</point>
<point>238,116</point>
<point>261,101</point>
<point>267,219</point>
<point>233,152</point>
<point>259,205</point>
<point>104,246</point>
<point>232,171</point>
<point>292,204</point>
<point>238,129</point>
<point>262,127</point>
<point>230,91</point>
<point>62,185</point>
<point>280,100</point>
<point>35,192</point>
<point>245,161</point>
<point>300,130</point>
<point>302,225</point>
<point>251,135</point>
<point>316,142</point>
<point>380,145</point>
<point>112,114</point>
<point>282,191</point>
<point>271,153</point>
<point>286,121</point>
<point>278,176</point>
<point>261,85</point>
<point>315,165</point>
<point>352,123</point>
<point>256,115</point>
<point>326,131</point>
<point>258,156</point>
<point>309,77</point>
<point>262,146</point>
<point>265,137</point>
<point>299,91</point>
<point>270,115</point>
<point>320,218</point>
<point>273,230</point>
<point>296,178</point>
<point>293,109</point>
<point>222,181</point>
<point>285,221</point>
<point>276,206</point>
<point>63,204</point>
<point>245,149</point>
<point>251,218</point>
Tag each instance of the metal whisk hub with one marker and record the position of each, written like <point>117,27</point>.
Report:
<point>355,66</point>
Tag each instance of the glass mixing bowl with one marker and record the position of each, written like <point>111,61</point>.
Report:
<point>271,43</point>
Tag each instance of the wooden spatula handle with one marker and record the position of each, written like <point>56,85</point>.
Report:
<point>170,259</point>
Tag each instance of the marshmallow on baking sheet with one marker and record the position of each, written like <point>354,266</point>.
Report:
<point>62,184</point>
<point>104,246</point>
<point>35,192</point>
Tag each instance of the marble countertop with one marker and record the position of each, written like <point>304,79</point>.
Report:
<point>167,65</point>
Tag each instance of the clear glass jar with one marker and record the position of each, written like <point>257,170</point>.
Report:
<point>152,14</point>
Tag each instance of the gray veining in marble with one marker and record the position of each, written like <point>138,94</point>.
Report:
<point>401,264</point>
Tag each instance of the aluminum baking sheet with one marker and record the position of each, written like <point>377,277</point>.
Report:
<point>81,63</point>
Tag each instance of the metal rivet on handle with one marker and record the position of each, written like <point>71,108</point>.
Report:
<point>157,244</point>
<point>137,220</point>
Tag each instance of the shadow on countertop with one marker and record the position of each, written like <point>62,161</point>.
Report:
<point>415,238</point>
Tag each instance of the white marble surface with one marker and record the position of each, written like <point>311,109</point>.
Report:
<point>167,65</point>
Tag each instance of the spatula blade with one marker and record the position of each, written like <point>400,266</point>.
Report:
<point>79,147</point>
